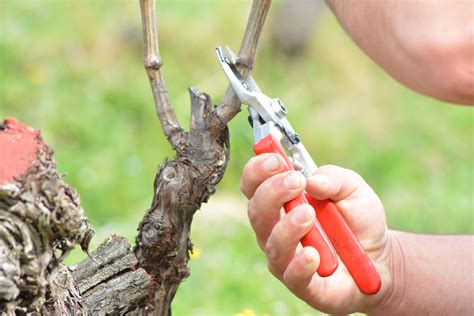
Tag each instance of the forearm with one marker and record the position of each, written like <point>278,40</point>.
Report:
<point>426,45</point>
<point>430,273</point>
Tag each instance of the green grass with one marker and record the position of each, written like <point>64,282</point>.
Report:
<point>74,69</point>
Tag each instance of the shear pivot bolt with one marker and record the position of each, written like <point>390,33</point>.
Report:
<point>278,107</point>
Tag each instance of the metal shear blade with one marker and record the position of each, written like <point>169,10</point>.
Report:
<point>246,89</point>
<point>271,111</point>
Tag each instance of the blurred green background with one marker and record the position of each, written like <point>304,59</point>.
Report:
<point>74,69</point>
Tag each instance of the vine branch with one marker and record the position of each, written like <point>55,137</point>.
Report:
<point>189,179</point>
<point>230,105</point>
<point>153,64</point>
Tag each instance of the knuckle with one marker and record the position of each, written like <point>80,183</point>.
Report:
<point>275,187</point>
<point>253,212</point>
<point>356,178</point>
<point>329,168</point>
<point>272,252</point>
<point>276,272</point>
<point>261,244</point>
<point>285,230</point>
<point>270,189</point>
<point>243,187</point>
<point>249,165</point>
<point>289,281</point>
<point>253,164</point>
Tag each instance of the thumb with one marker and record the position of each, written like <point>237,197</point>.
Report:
<point>334,183</point>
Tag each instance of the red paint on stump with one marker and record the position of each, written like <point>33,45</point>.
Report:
<point>19,144</point>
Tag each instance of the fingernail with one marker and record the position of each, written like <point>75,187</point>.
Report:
<point>309,258</point>
<point>271,164</point>
<point>319,178</point>
<point>302,215</point>
<point>293,181</point>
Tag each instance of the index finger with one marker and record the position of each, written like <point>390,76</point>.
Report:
<point>259,169</point>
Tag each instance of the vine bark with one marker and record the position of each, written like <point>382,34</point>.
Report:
<point>116,279</point>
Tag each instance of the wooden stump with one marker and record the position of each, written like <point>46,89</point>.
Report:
<point>40,222</point>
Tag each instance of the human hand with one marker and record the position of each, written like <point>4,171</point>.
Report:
<point>278,234</point>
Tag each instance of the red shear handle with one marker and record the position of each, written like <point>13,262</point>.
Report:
<point>316,237</point>
<point>347,246</point>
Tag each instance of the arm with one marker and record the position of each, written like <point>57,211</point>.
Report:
<point>426,45</point>
<point>419,273</point>
<point>431,273</point>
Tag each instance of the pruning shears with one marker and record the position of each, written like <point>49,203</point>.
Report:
<point>273,133</point>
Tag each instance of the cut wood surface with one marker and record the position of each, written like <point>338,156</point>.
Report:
<point>19,145</point>
<point>40,221</point>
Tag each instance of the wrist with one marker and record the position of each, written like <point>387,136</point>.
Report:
<point>394,261</point>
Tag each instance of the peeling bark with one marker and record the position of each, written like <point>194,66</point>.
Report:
<point>109,280</point>
<point>40,222</point>
<point>181,185</point>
